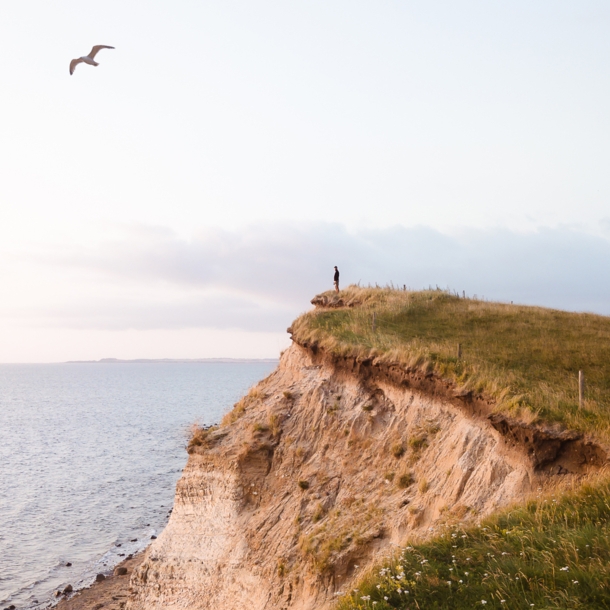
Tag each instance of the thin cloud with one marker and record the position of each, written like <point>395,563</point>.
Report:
<point>260,277</point>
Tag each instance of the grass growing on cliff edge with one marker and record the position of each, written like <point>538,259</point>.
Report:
<point>525,358</point>
<point>549,553</point>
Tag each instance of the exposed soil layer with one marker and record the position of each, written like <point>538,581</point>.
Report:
<point>556,452</point>
<point>333,302</point>
<point>549,449</point>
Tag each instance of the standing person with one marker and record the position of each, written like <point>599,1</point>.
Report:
<point>336,279</point>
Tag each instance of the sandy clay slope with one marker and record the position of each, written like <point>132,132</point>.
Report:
<point>326,467</point>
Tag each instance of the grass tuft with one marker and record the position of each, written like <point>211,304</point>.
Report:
<point>398,450</point>
<point>405,480</point>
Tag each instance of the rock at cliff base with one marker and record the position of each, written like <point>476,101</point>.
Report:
<point>100,578</point>
<point>121,571</point>
<point>68,589</point>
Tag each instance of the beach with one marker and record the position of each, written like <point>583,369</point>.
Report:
<point>110,594</point>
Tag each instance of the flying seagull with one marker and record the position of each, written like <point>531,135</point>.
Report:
<point>88,59</point>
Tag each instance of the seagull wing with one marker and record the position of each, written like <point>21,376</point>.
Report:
<point>97,48</point>
<point>75,63</point>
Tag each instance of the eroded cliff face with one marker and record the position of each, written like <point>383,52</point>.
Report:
<point>322,471</point>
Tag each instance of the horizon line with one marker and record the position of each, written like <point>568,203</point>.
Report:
<point>152,361</point>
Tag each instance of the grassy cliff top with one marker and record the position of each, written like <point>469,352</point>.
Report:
<point>525,358</point>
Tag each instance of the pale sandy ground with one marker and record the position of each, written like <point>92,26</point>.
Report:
<point>110,594</point>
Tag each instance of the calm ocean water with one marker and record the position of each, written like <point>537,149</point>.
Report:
<point>89,458</point>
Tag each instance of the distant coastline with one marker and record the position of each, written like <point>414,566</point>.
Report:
<point>172,360</point>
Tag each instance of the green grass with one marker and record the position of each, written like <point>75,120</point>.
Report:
<point>552,552</point>
<point>525,358</point>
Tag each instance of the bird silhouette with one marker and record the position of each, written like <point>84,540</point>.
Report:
<point>88,59</point>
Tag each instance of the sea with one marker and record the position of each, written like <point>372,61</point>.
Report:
<point>90,454</point>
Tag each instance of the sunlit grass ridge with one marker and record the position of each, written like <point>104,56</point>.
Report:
<point>525,358</point>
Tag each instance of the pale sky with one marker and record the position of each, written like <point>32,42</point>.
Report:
<point>188,197</point>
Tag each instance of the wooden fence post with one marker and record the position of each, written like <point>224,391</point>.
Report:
<point>581,389</point>
<point>459,351</point>
<point>373,321</point>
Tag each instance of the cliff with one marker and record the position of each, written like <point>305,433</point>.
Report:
<point>321,473</point>
<point>332,463</point>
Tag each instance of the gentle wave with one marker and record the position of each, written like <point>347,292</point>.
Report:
<point>89,458</point>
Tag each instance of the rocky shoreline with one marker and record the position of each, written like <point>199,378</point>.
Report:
<point>110,593</point>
